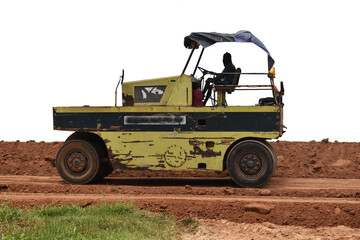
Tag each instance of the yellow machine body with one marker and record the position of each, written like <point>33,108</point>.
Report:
<point>159,129</point>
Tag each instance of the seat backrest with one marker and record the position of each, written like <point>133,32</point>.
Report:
<point>235,80</point>
<point>236,76</point>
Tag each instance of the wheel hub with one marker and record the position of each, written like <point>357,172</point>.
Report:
<point>250,164</point>
<point>77,162</point>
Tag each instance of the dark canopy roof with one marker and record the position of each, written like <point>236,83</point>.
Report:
<point>208,39</point>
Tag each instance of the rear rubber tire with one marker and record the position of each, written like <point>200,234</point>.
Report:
<point>251,163</point>
<point>273,152</point>
<point>106,170</point>
<point>78,162</point>
<point>105,165</point>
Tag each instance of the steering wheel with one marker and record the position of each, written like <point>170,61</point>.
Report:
<point>204,71</point>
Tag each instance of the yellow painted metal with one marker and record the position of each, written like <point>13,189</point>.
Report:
<point>167,109</point>
<point>174,150</point>
<point>221,98</point>
<point>171,150</point>
<point>178,90</point>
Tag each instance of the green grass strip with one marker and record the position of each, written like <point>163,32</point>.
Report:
<point>103,221</point>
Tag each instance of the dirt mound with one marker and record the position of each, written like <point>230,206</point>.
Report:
<point>295,159</point>
<point>28,158</point>
<point>318,159</point>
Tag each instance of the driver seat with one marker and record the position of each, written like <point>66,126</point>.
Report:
<point>223,89</point>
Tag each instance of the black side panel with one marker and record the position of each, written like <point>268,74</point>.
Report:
<point>202,121</point>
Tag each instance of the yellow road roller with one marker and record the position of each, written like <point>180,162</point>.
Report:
<point>163,124</point>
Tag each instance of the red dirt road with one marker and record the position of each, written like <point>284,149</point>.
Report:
<point>316,184</point>
<point>283,201</point>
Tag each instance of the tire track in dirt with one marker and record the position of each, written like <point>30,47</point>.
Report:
<point>275,182</point>
<point>282,201</point>
<point>116,197</point>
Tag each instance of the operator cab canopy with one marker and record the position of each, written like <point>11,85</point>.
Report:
<point>179,90</point>
<point>207,39</point>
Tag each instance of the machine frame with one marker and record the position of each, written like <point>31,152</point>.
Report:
<point>159,128</point>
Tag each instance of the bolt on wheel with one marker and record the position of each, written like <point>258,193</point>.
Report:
<point>250,164</point>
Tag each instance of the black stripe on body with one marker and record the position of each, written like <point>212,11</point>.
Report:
<point>195,121</point>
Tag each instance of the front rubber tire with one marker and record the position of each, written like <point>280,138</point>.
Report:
<point>251,163</point>
<point>78,162</point>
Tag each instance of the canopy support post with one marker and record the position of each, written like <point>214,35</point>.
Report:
<point>197,64</point>
<point>187,63</point>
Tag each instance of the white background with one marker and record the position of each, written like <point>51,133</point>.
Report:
<point>70,53</point>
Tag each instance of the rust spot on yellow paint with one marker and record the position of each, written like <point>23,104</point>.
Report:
<point>128,100</point>
<point>207,153</point>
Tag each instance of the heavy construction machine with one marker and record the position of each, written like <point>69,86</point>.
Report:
<point>162,125</point>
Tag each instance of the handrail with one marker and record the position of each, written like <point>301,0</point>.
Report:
<point>224,88</point>
<point>122,80</point>
<point>232,73</point>
<point>221,86</point>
